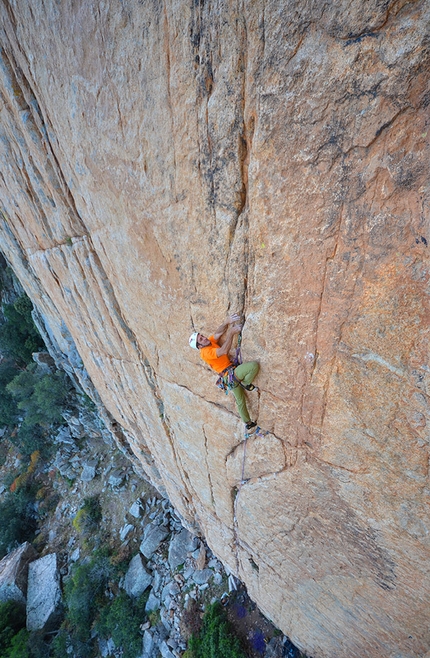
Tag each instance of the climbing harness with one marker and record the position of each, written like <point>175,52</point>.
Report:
<point>227,379</point>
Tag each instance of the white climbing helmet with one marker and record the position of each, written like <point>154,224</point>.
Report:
<point>193,340</point>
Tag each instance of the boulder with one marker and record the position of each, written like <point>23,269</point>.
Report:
<point>45,361</point>
<point>153,535</point>
<point>89,469</point>
<point>44,604</point>
<point>153,602</point>
<point>14,573</point>
<point>149,647</point>
<point>137,578</point>
<point>179,547</point>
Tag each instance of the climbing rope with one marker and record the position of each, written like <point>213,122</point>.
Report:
<point>238,355</point>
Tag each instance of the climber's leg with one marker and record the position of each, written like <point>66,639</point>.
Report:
<point>247,372</point>
<point>239,394</point>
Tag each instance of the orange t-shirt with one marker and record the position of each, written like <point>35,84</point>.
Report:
<point>208,354</point>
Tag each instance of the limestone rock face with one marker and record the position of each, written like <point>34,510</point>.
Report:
<point>14,573</point>
<point>165,163</point>
<point>44,594</point>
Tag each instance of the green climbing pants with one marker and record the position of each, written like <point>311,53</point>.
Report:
<point>246,373</point>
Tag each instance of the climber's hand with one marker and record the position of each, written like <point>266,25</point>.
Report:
<point>236,329</point>
<point>233,318</point>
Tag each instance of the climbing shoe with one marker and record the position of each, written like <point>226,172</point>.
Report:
<point>250,425</point>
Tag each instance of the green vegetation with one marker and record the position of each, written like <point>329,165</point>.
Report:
<point>19,337</point>
<point>18,519</point>
<point>31,405</point>
<point>121,620</point>
<point>216,638</point>
<point>41,397</point>
<point>91,607</point>
<point>29,397</point>
<point>89,516</point>
<point>8,406</point>
<point>13,636</point>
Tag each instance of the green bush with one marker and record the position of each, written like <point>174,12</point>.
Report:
<point>89,516</point>
<point>19,337</point>
<point>12,620</point>
<point>20,646</point>
<point>40,397</point>
<point>216,638</point>
<point>84,595</point>
<point>28,439</point>
<point>121,620</point>
<point>18,519</point>
<point>8,406</point>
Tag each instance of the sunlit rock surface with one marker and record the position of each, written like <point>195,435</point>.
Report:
<point>163,163</point>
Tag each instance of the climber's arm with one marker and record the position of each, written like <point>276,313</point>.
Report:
<point>230,334</point>
<point>222,329</point>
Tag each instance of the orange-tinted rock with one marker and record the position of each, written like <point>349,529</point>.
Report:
<point>164,164</point>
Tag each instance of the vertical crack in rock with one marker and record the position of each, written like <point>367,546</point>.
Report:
<point>208,467</point>
<point>238,258</point>
<point>169,96</point>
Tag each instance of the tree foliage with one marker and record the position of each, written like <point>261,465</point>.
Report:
<point>120,619</point>
<point>216,638</point>
<point>19,337</point>
<point>12,620</point>
<point>18,519</point>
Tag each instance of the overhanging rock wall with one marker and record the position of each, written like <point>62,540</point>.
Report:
<point>162,163</point>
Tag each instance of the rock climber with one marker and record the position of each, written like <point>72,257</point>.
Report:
<point>215,352</point>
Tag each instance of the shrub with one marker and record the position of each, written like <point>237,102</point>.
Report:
<point>18,335</point>
<point>89,516</point>
<point>19,646</point>
<point>121,620</point>
<point>8,407</point>
<point>18,519</point>
<point>216,638</point>
<point>41,397</point>
<point>84,595</point>
<point>12,620</point>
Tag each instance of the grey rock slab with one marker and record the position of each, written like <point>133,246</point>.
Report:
<point>128,527</point>
<point>202,577</point>
<point>137,579</point>
<point>153,535</point>
<point>14,573</point>
<point>153,602</point>
<point>170,589</point>
<point>274,649</point>
<point>89,470</point>
<point>136,509</point>
<point>179,547</point>
<point>149,647</point>
<point>64,436</point>
<point>43,594</point>
<point>157,581</point>
<point>217,578</point>
<point>74,557</point>
<point>165,651</point>
<point>116,478</point>
<point>188,572</point>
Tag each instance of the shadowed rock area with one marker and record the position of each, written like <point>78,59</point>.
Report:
<point>163,164</point>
